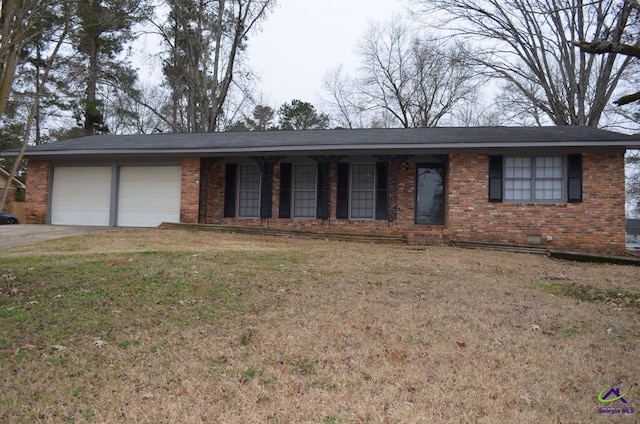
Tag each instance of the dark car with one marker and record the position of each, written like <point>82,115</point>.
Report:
<point>8,218</point>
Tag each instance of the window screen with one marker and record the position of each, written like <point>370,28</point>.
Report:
<point>249,191</point>
<point>534,179</point>
<point>362,190</point>
<point>304,191</point>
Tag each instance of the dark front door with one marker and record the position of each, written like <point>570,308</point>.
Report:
<point>430,202</point>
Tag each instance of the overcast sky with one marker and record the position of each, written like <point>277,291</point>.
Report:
<point>302,39</point>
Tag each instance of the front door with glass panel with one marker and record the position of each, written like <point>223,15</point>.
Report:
<point>430,194</point>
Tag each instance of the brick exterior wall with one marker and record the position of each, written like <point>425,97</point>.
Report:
<point>37,193</point>
<point>597,224</point>
<point>405,220</point>
<point>594,225</point>
<point>190,191</point>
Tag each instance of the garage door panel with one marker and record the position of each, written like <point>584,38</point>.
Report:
<point>81,196</point>
<point>148,195</point>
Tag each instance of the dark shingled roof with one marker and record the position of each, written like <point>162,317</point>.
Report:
<point>339,141</point>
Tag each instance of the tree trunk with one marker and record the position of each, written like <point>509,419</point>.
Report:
<point>27,131</point>
<point>9,54</point>
<point>91,108</point>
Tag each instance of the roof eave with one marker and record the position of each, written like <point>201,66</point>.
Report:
<point>439,148</point>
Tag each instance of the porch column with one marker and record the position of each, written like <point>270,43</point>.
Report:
<point>394,162</point>
<point>324,186</point>
<point>205,172</point>
<point>266,163</point>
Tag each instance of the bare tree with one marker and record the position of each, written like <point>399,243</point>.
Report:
<point>344,99</point>
<point>477,114</point>
<point>204,41</point>
<point>415,79</point>
<point>633,181</point>
<point>135,112</point>
<point>623,40</point>
<point>527,44</point>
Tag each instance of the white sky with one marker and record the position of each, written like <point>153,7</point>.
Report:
<point>303,39</point>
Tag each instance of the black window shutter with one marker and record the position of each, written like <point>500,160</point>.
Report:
<point>323,200</point>
<point>382,177</point>
<point>495,178</point>
<point>285,190</point>
<point>230,190</point>
<point>342,191</point>
<point>574,178</point>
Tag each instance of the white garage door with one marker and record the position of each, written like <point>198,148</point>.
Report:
<point>81,195</point>
<point>148,195</point>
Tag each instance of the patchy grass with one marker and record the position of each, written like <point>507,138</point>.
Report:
<point>171,326</point>
<point>613,296</point>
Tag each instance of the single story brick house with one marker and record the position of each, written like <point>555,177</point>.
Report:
<point>552,187</point>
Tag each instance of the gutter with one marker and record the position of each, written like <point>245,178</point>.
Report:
<point>351,148</point>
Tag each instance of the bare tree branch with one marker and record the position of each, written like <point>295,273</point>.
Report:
<point>205,41</point>
<point>605,46</point>
<point>630,98</point>
<point>417,80</point>
<point>527,44</point>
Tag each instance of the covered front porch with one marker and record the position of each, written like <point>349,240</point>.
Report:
<point>391,194</point>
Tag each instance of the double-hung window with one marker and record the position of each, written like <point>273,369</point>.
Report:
<point>363,191</point>
<point>248,191</point>
<point>534,179</point>
<point>304,191</point>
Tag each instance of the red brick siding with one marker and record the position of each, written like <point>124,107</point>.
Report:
<point>215,202</point>
<point>406,193</point>
<point>190,191</point>
<point>37,193</point>
<point>596,224</point>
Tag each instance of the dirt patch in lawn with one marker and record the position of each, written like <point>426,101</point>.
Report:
<point>179,326</point>
<point>148,240</point>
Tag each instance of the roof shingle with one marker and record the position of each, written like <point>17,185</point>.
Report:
<point>396,140</point>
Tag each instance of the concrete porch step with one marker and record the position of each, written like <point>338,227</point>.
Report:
<point>504,247</point>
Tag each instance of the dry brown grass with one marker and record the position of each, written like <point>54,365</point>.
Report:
<point>304,331</point>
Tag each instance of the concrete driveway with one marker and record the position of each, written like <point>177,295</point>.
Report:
<point>24,234</point>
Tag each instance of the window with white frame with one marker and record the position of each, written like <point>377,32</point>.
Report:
<point>304,191</point>
<point>534,179</point>
<point>248,191</point>
<point>362,191</point>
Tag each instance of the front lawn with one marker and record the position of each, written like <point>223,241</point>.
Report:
<point>167,326</point>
